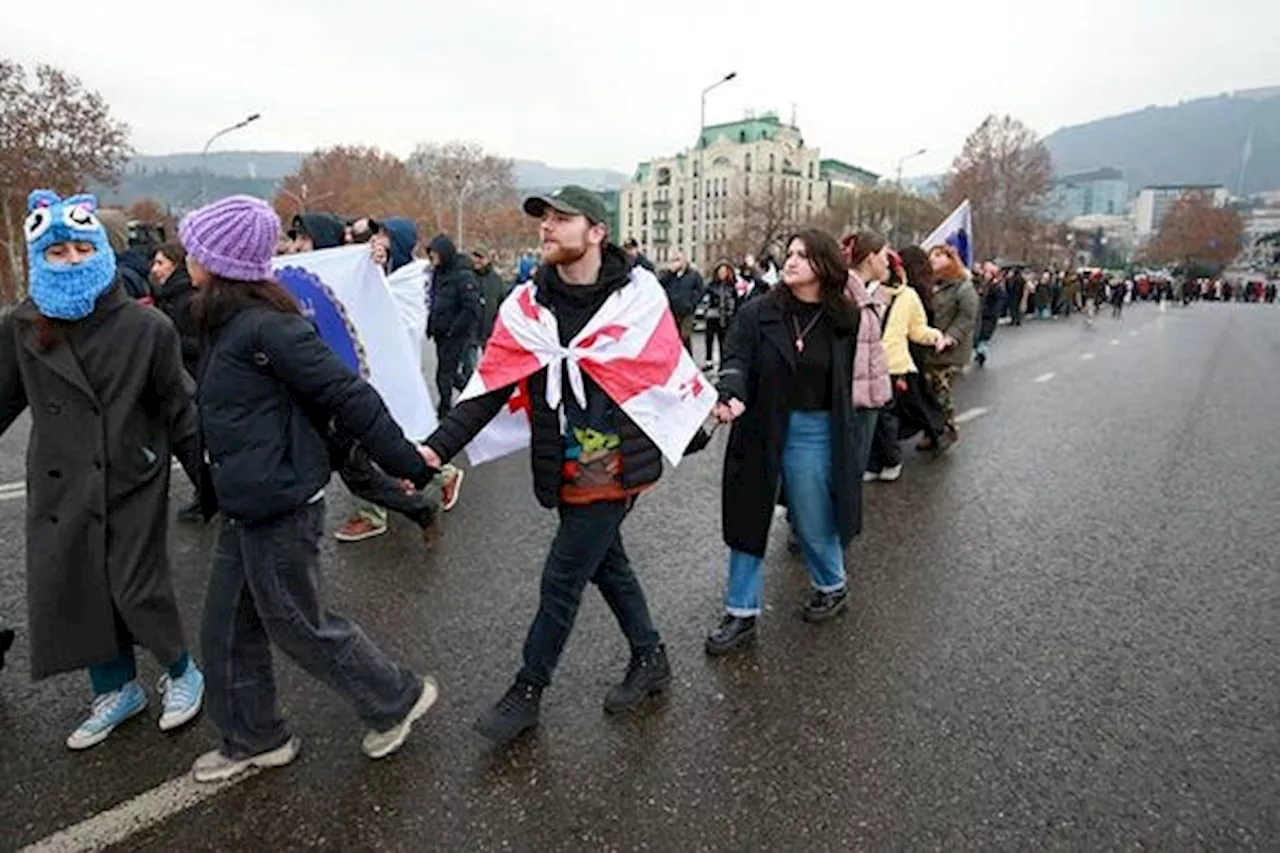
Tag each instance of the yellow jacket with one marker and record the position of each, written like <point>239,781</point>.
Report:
<point>906,322</point>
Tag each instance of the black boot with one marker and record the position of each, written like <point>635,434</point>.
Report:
<point>648,673</point>
<point>513,715</point>
<point>733,632</point>
<point>822,606</point>
<point>6,640</point>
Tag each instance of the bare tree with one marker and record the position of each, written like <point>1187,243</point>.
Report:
<point>53,134</point>
<point>354,181</point>
<point>762,219</point>
<point>1194,230</point>
<point>462,180</point>
<point>1006,173</point>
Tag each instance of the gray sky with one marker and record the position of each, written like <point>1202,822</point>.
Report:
<point>610,83</point>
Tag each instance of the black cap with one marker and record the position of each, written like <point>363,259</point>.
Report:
<point>571,199</point>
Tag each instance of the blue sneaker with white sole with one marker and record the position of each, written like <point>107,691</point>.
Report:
<point>109,711</point>
<point>183,697</point>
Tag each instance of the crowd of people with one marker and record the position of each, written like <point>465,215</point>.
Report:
<point>822,368</point>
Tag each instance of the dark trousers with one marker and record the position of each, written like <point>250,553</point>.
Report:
<point>587,547</point>
<point>916,408</point>
<point>684,323</point>
<point>264,588</point>
<point>885,450</point>
<point>369,482</point>
<point>449,355</point>
<point>715,332</point>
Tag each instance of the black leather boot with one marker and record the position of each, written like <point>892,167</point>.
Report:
<point>648,673</point>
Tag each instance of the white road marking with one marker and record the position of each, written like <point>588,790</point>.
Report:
<point>1133,334</point>
<point>131,817</point>
<point>1087,356</point>
<point>1115,342</point>
<point>1045,377</point>
<point>971,414</point>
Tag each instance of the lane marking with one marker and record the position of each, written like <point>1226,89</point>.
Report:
<point>1115,342</point>
<point>971,414</point>
<point>1045,377</point>
<point>132,816</point>
<point>1088,356</point>
<point>1133,334</point>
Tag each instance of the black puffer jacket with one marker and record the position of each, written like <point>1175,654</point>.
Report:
<point>455,294</point>
<point>641,459</point>
<point>174,299</point>
<point>268,381</point>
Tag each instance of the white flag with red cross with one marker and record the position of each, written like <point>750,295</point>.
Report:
<point>630,348</point>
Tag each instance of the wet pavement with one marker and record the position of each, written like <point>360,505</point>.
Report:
<point>1062,636</point>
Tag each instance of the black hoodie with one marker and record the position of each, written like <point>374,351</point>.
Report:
<point>455,294</point>
<point>325,230</point>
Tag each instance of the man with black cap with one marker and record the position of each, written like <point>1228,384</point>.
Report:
<point>492,288</point>
<point>590,469</point>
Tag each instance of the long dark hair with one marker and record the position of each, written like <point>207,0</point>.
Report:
<point>859,245</point>
<point>915,261</point>
<point>828,264</point>
<point>221,299</point>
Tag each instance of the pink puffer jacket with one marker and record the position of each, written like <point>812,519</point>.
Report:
<point>871,386</point>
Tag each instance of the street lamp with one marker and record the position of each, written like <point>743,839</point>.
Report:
<point>702,124</point>
<point>897,210</point>
<point>204,172</point>
<point>463,191</point>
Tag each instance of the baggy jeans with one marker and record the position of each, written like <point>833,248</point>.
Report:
<point>587,547</point>
<point>264,588</point>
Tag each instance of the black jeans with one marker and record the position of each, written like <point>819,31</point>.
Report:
<point>885,450</point>
<point>449,355</point>
<point>715,332</point>
<point>369,482</point>
<point>587,547</point>
<point>264,588</point>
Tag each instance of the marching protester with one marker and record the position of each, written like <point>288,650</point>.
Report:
<point>685,288</point>
<point>173,292</point>
<point>313,231</point>
<point>991,306</point>
<point>270,388</point>
<point>590,458</point>
<point>955,312</point>
<point>109,402</point>
<point>905,323</point>
<point>787,386</point>
<point>131,266</point>
<point>721,301</point>
<point>632,248</point>
<point>455,316</point>
<point>492,290</point>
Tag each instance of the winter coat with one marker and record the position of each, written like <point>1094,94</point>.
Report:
<point>684,291</point>
<point>492,290</point>
<point>455,295</point>
<point>955,312</point>
<point>722,296</point>
<point>109,403</point>
<point>871,386</point>
<point>270,388</point>
<point>759,362</point>
<point>992,298</point>
<point>905,323</point>
<point>404,236</point>
<point>174,299</point>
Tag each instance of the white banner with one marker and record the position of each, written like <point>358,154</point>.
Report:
<point>347,296</point>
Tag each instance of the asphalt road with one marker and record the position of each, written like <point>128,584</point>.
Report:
<point>1063,636</point>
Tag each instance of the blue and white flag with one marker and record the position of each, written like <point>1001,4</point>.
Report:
<point>955,231</point>
<point>346,295</point>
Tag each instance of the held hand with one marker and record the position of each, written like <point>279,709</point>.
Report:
<point>379,252</point>
<point>430,457</point>
<point>730,411</point>
<point>408,487</point>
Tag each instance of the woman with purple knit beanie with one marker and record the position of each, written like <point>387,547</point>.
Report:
<point>269,389</point>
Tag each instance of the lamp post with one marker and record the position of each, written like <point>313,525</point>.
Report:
<point>702,123</point>
<point>897,209</point>
<point>304,199</point>
<point>463,190</point>
<point>204,154</point>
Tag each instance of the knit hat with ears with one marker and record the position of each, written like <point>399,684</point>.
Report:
<point>234,238</point>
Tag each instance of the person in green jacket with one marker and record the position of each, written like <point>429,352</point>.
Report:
<point>955,311</point>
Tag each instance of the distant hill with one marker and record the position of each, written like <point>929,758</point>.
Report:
<point>1231,139</point>
<point>174,179</point>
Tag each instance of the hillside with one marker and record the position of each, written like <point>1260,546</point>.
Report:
<point>1233,140</point>
<point>174,179</point>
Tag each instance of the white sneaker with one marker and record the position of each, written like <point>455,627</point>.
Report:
<point>183,697</point>
<point>382,744</point>
<point>216,767</point>
<point>888,475</point>
<point>870,476</point>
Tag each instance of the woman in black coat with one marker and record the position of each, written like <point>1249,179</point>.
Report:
<point>786,384</point>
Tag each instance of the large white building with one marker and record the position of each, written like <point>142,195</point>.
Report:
<point>696,201</point>
<point>1154,202</point>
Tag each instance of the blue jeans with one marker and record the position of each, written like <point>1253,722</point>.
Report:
<point>806,468</point>
<point>264,589</point>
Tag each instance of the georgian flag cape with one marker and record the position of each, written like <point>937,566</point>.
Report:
<point>630,348</point>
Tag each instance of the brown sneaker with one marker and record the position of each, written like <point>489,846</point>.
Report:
<point>358,529</point>
<point>451,488</point>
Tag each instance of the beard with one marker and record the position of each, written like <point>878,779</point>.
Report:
<point>561,255</point>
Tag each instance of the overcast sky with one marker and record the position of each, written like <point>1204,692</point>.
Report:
<point>583,83</point>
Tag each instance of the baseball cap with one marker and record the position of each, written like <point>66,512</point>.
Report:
<point>571,199</point>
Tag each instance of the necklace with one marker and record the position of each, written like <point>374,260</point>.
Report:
<point>801,335</point>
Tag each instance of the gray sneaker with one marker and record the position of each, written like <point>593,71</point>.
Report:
<point>216,767</point>
<point>382,744</point>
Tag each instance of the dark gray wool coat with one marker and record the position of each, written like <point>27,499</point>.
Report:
<point>109,401</point>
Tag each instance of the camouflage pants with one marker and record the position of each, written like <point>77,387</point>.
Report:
<point>940,379</point>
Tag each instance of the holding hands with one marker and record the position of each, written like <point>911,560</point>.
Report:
<point>729,411</point>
